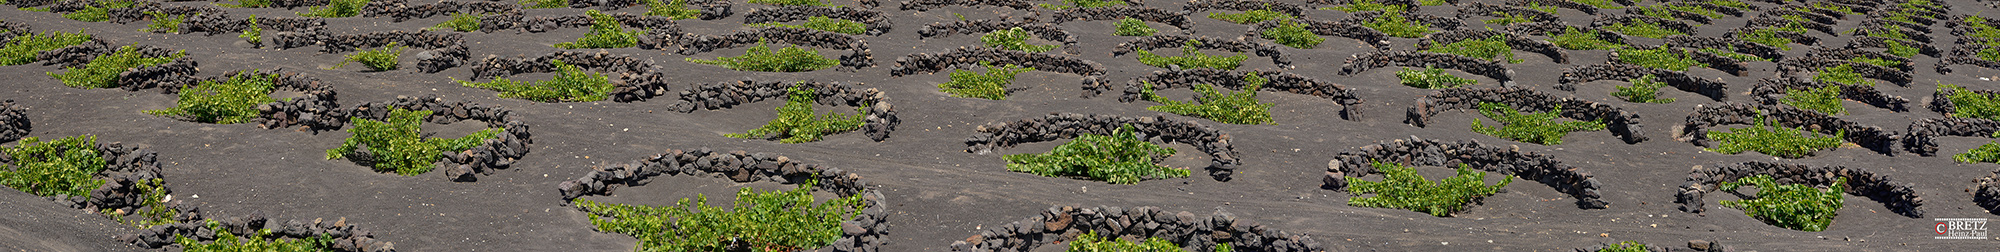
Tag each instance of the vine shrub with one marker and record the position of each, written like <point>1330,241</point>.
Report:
<point>1394,24</point>
<point>1825,100</point>
<point>1133,27</point>
<point>792,2</point>
<point>543,4</point>
<point>1642,29</point>
<point>1573,39</point>
<point>22,48</point>
<point>1538,128</point>
<point>253,34</point>
<point>796,122</point>
<point>571,84</point>
<point>1732,54</point>
<point>226,102</point>
<point>1645,89</point>
<point>1251,16</point>
<point>262,240</point>
<point>1013,39</point>
<point>1192,57</point>
<point>1091,242</point>
<point>605,32</point>
<point>336,9</point>
<point>1897,48</point>
<point>991,85</point>
<point>1843,74</point>
<point>1507,19</point>
<point>380,59</point>
<point>1487,48</point>
<point>1122,158</point>
<point>247,4</point>
<point>1366,6</point>
<point>1293,34</point>
<point>1770,139</point>
<point>1402,188</point>
<point>1661,57</point>
<point>460,21</point>
<point>63,167</point>
<point>1626,246</point>
<point>163,23</point>
<point>154,211</point>
<point>1792,206</point>
<point>756,221</point>
<point>824,23</point>
<point>98,11</point>
<point>1969,104</point>
<point>1767,36</point>
<point>677,9</point>
<point>395,144</point>
<point>1987,153</point>
<point>1601,4</point>
<point>1082,4</point>
<point>762,59</point>
<point>103,71</point>
<point>1240,107</point>
<point>1431,78</point>
<point>1878,62</point>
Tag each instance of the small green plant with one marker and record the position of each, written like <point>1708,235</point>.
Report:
<point>247,4</point>
<point>824,23</point>
<point>796,122</point>
<point>1538,128</point>
<point>102,72</point>
<point>1666,11</point>
<point>460,21</point>
<point>1251,16</point>
<point>1507,19</point>
<point>253,34</point>
<point>1987,153</point>
<point>571,84</point>
<point>1431,78</point>
<point>605,32</point>
<point>1394,24</point>
<point>163,23</point>
<point>1293,34</point>
<point>1730,3</point>
<point>336,9</point>
<point>1402,188</point>
<point>543,4</point>
<point>1488,48</point>
<point>759,221</point>
<point>762,59</point>
<point>1626,246</point>
<point>1573,39</point>
<point>1877,62</point>
<point>1536,6</point>
<point>1240,107</point>
<point>226,102</point>
<point>1770,139</point>
<point>1886,32</point>
<point>98,11</point>
<point>1433,2</point>
<point>1899,49</point>
<point>1843,74</point>
<point>63,167</point>
<point>263,240</point>
<point>1192,57</point>
<point>1601,4</point>
<point>676,9</point>
<point>1013,39</point>
<point>1122,158</point>
<point>22,48</point>
<point>1834,8</point>
<point>1134,27</point>
<point>1767,36</point>
<point>1824,100</point>
<point>380,59</point>
<point>1366,6</point>
<point>153,209</point>
<point>1988,54</point>
<point>1732,54</point>
<point>1661,57</point>
<point>991,85</point>
<point>1082,4</point>
<point>1642,28</point>
<point>1645,89</point>
<point>792,2</point>
<point>1091,242</point>
<point>1793,206</point>
<point>1969,104</point>
<point>395,145</point>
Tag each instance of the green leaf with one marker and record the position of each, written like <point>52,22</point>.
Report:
<point>1792,206</point>
<point>796,122</point>
<point>1538,128</point>
<point>1402,188</point>
<point>1122,158</point>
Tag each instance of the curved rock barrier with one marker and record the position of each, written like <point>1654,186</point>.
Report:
<point>500,152</point>
<point>539,24</point>
<point>1732,66</point>
<point>1815,17</point>
<point>446,49</point>
<point>865,232</point>
<point>881,118</point>
<point>1715,90</point>
<point>690,44</point>
<point>1156,42</point>
<point>1504,160</point>
<point>1813,64</point>
<point>1046,31</point>
<point>637,80</point>
<point>1515,41</point>
<point>1558,27</point>
<point>1056,126</point>
<point>1776,22</point>
<point>168,77</point>
<point>1676,25</point>
<point>1922,136</point>
<point>1194,6</point>
<point>1093,81</point>
<point>1696,129</point>
<point>1278,81</point>
<point>13,122</point>
<point>1379,59</point>
<point>1770,92</point>
<point>193,225</point>
<point>1624,124</point>
<point>401,10</point>
<point>1585,8</point>
<point>317,102</point>
<point>1908,65</point>
<point>1435,22</point>
<point>927,5</point>
<point>1901,198</point>
<point>1344,29</point>
<point>1880,42</point>
<point>1062,224</point>
<point>876,22</point>
<point>1488,10</point>
<point>1759,50</point>
<point>1148,14</point>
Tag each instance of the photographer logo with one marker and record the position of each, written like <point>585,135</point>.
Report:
<point>1961,228</point>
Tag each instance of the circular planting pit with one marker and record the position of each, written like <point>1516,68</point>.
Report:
<point>1696,129</point>
<point>1515,41</point>
<point>1045,31</point>
<point>877,23</point>
<point>866,231</point>
<point>1715,90</point>
<point>1770,92</point>
<point>1063,224</point>
<point>690,44</point>
<point>1156,42</point>
<point>1057,126</point>
<point>636,79</point>
<point>484,157</point>
<point>1093,73</point>
<point>1901,198</point>
<point>1379,59</point>
<point>1507,161</point>
<point>1356,31</point>
<point>881,118</point>
<point>1624,124</point>
<point>1278,81</point>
